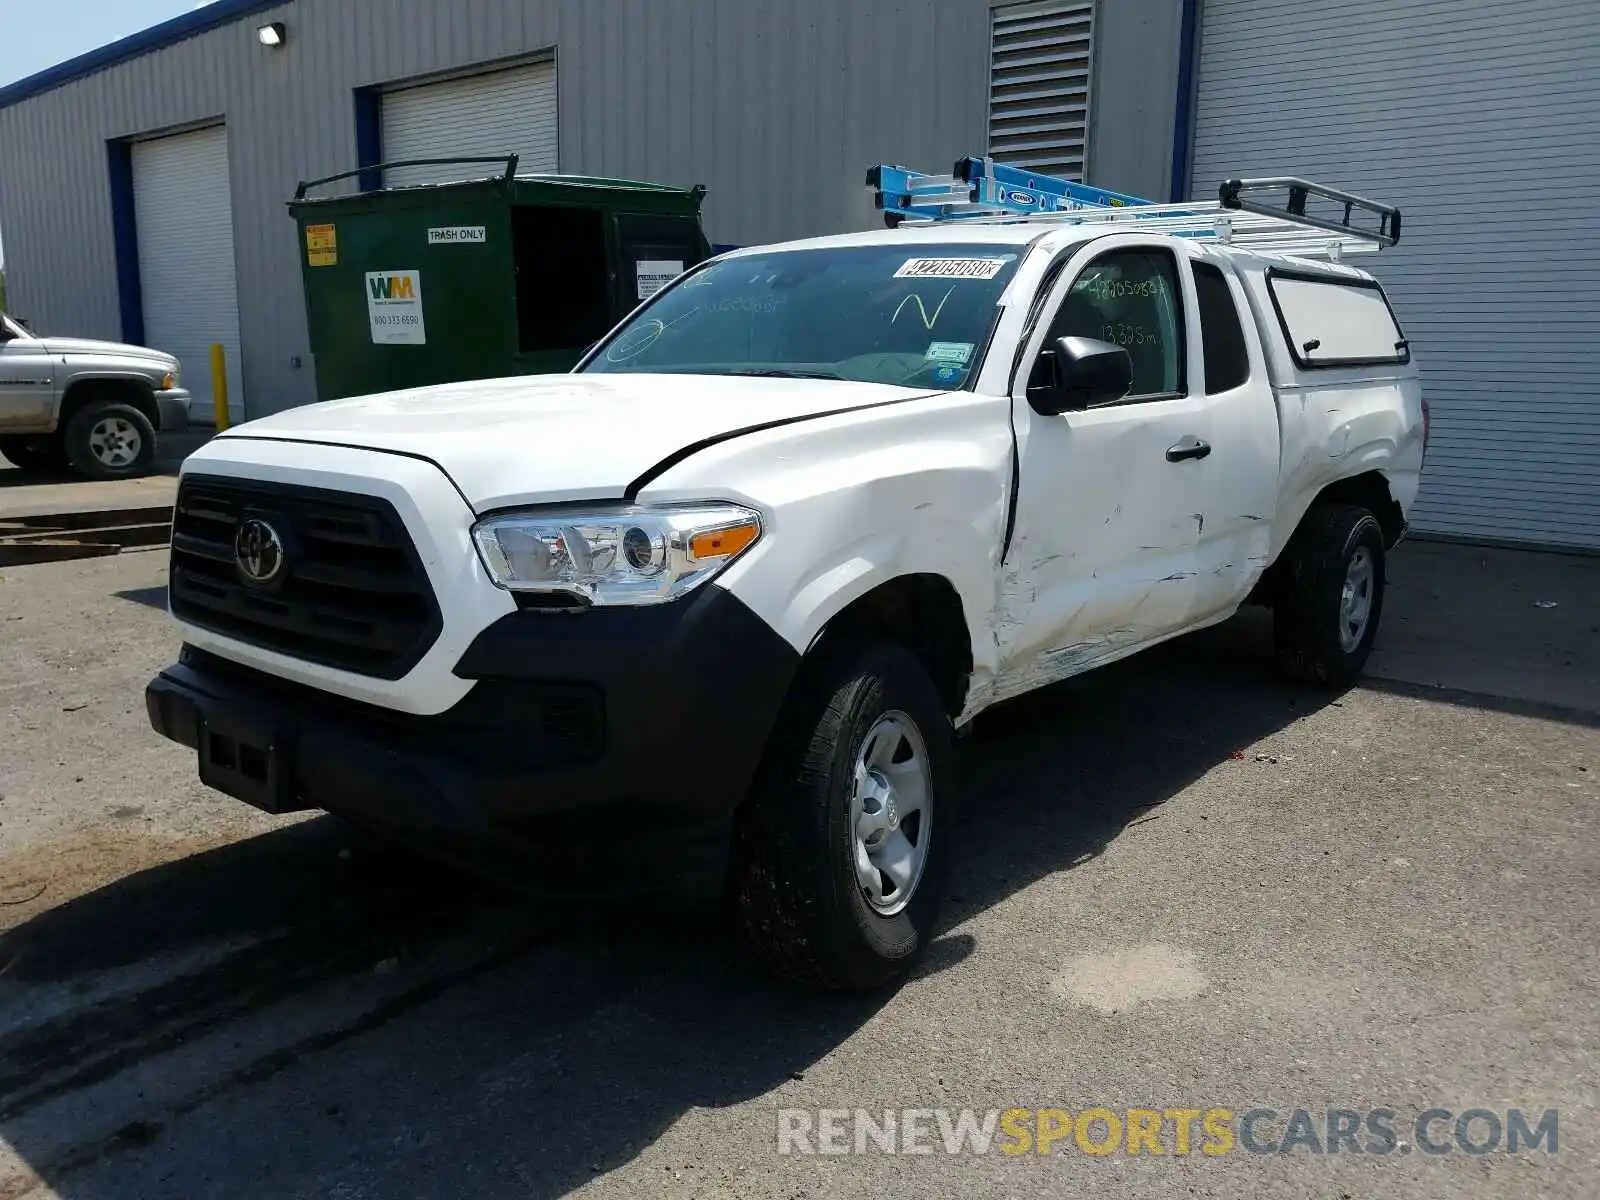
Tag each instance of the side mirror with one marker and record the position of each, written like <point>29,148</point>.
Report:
<point>1087,373</point>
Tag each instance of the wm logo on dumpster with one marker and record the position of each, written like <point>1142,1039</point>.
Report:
<point>392,287</point>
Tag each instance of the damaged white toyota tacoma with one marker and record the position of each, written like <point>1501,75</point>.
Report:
<point>714,605</point>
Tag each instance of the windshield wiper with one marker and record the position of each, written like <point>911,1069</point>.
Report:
<point>767,373</point>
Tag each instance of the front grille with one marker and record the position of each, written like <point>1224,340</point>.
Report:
<point>353,594</point>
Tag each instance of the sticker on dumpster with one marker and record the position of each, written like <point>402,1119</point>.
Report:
<point>394,307</point>
<point>322,246</point>
<point>458,235</point>
<point>653,274</point>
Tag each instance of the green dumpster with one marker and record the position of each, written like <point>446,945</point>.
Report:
<point>509,275</point>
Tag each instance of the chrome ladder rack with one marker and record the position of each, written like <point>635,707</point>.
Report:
<point>982,190</point>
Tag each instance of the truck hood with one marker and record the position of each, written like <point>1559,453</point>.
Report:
<point>67,345</point>
<point>550,438</point>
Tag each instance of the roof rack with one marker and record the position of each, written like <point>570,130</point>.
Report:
<point>980,189</point>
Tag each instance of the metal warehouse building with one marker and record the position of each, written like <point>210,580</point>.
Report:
<point>143,186</point>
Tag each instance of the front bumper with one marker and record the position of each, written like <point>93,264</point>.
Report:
<point>592,749</point>
<point>172,406</point>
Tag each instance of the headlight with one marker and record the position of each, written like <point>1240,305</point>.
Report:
<point>623,555</point>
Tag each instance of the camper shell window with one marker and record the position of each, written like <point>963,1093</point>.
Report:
<point>1336,321</point>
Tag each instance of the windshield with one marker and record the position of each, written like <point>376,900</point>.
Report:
<point>903,314</point>
<point>11,327</point>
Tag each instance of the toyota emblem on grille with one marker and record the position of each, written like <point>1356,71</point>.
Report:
<point>258,552</point>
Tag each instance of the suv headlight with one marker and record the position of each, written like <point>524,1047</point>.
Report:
<point>615,556</point>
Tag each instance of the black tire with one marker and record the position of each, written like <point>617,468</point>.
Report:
<point>86,444</point>
<point>793,869</point>
<point>44,454</point>
<point>1313,642</point>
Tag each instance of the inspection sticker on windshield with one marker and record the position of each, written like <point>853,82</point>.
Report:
<point>950,268</point>
<point>948,352</point>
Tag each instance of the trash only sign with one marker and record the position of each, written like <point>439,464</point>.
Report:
<point>394,307</point>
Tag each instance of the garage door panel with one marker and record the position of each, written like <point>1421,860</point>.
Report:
<point>1260,26</point>
<point>511,111</point>
<point>183,217</point>
<point>1482,131</point>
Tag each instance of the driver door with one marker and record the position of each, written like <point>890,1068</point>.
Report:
<point>27,381</point>
<point>1103,551</point>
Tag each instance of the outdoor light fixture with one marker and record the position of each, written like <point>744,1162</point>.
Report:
<point>273,34</point>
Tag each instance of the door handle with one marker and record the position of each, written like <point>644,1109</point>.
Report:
<point>1190,447</point>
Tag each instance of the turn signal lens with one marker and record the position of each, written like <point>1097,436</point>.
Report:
<point>723,543</point>
<point>169,381</point>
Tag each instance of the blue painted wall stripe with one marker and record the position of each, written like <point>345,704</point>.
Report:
<point>369,136</point>
<point>125,236</point>
<point>1183,111</point>
<point>219,12</point>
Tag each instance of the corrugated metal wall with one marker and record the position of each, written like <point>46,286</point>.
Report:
<point>1481,120</point>
<point>777,106</point>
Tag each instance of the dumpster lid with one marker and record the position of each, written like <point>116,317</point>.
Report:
<point>508,177</point>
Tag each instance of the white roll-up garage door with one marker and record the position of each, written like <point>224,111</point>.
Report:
<point>183,212</point>
<point>1478,120</point>
<point>512,111</point>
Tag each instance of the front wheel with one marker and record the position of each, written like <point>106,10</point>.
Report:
<point>109,440</point>
<point>1325,617</point>
<point>839,850</point>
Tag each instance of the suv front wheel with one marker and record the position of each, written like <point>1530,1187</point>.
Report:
<point>839,850</point>
<point>109,440</point>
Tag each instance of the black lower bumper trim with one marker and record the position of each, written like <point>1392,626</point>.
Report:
<point>610,743</point>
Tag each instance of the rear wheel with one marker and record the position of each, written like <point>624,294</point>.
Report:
<point>43,454</point>
<point>839,850</point>
<point>110,440</point>
<point>1325,617</point>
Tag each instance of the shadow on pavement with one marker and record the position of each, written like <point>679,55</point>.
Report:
<point>150,597</point>
<point>582,1045</point>
<point>14,477</point>
<point>171,450</point>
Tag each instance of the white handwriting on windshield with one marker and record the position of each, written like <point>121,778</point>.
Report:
<point>927,321</point>
<point>641,337</point>
<point>747,304</point>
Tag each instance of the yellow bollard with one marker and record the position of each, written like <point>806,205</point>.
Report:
<point>219,385</point>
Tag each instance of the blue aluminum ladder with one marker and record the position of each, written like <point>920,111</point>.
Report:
<point>982,189</point>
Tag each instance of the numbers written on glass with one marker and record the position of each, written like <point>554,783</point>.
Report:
<point>396,319</point>
<point>747,304</point>
<point>1102,287</point>
<point>1125,333</point>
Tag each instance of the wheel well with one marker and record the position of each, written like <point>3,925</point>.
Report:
<point>923,613</point>
<point>1371,492</point>
<point>124,391</point>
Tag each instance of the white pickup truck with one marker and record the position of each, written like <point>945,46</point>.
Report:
<point>716,604</point>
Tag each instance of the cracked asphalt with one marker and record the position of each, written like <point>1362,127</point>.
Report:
<point>1181,884</point>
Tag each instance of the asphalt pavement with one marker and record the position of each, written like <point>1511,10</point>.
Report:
<point>1182,886</point>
